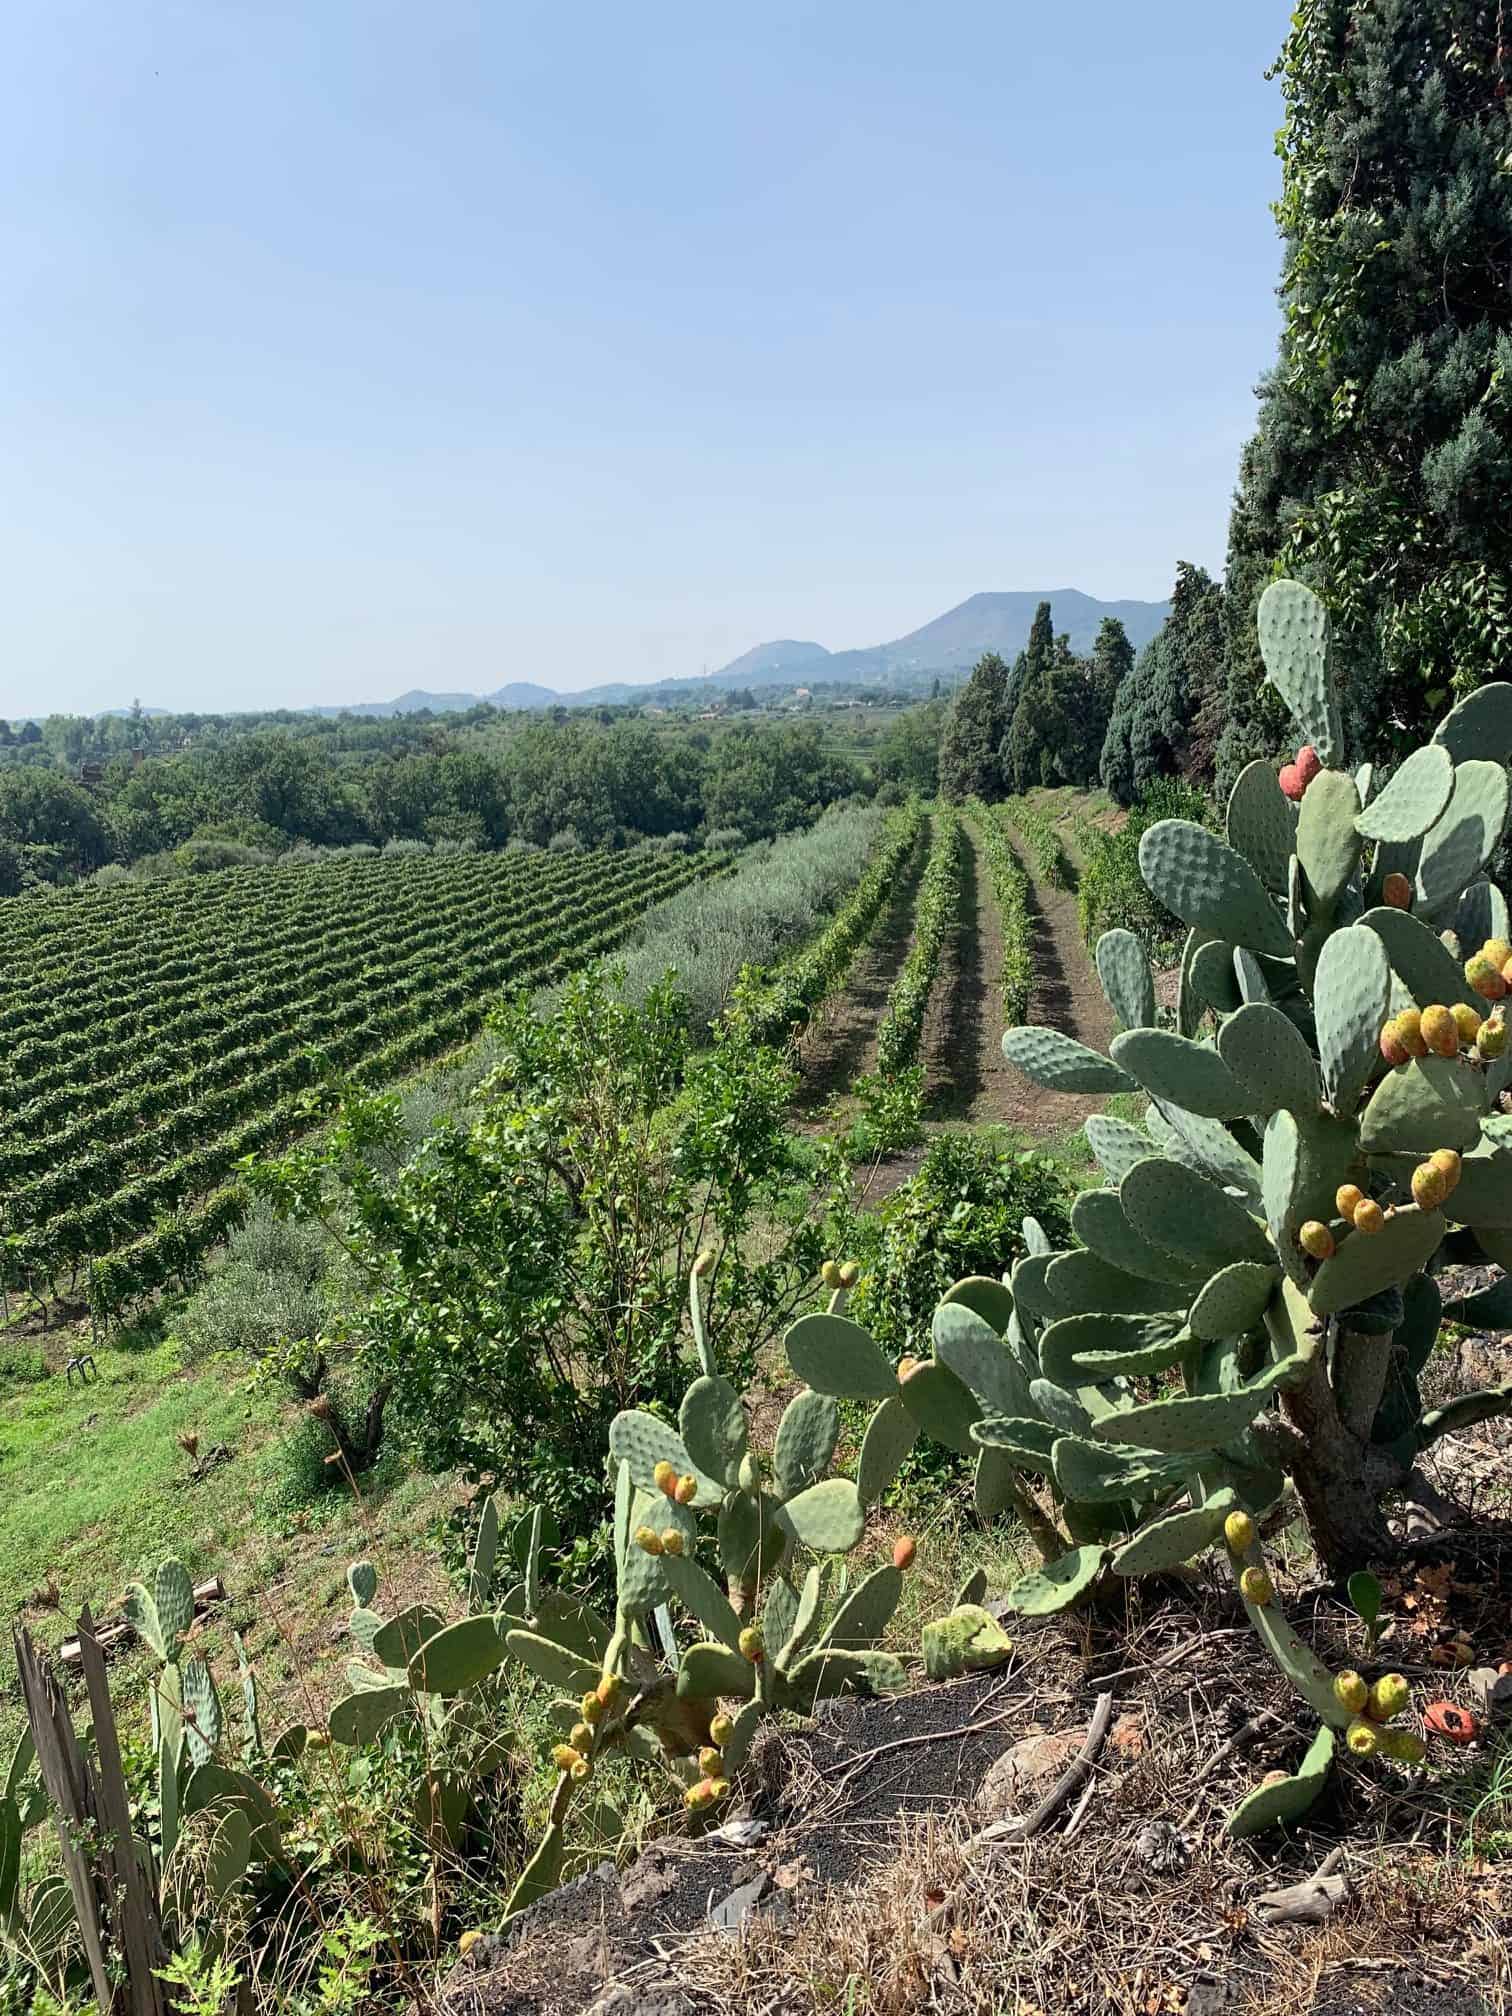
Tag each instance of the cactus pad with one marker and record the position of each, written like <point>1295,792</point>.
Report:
<point>458,1657</point>
<point>642,1441</point>
<point>806,1438</point>
<point>1211,887</point>
<point>1214,978</point>
<point>1079,1281</point>
<point>1059,1063</point>
<point>1115,1144</point>
<point>1483,1195</point>
<point>1092,1473</point>
<point>1126,980</point>
<point>1179,1071</point>
<point>1262,824</point>
<point>967,1640</point>
<point>1099,1220</point>
<point>1414,799</point>
<point>1433,1102</point>
<point>994,1484</point>
<point>1294,642</point>
<point>1328,847</point>
<point>397,1642</point>
<point>713,1426</point>
<point>1195,1421</point>
<point>1059,1583</point>
<point>1206,1146</point>
<point>890,1434</point>
<point>362,1717</point>
<point>826,1518</point>
<point>553,1663</point>
<point>1025,1438</point>
<point>1233,1301</point>
<point>992,1300</point>
<point>1269,1056</point>
<point>1465,838</point>
<point>701,1595</point>
<point>1083,1350</point>
<point>1363,1266</point>
<point>942,1405</point>
<point>710,1672</point>
<point>1287,1799</point>
<point>1190,1216</point>
<point>825,1673</point>
<point>1351,994</point>
<point>977,1355</point>
<point>866,1612</point>
<point>1481,725</point>
<point>1419,959</point>
<point>836,1356</point>
<point>173,1594</point>
<point>202,1710</point>
<point>362,1580</point>
<point>1177,1537</point>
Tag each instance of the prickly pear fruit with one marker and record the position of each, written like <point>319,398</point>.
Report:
<point>708,1761</point>
<point>581,1770</point>
<point>1316,1239</point>
<point>671,1541</point>
<point>1491,1038</point>
<point>1275,1777</point>
<point>664,1476</point>
<point>1388,1697</point>
<point>1466,1021</point>
<point>1458,1725</point>
<point>1485,977</point>
<point>829,1274</point>
<point>721,1729</point>
<point>1498,951</point>
<point>648,1541</point>
<point>564,1757</point>
<point>1410,1029</point>
<point>1393,1049</point>
<point>1255,1586</point>
<point>581,1737</point>
<point>1429,1186</point>
<point>467,1942</point>
<point>704,1262</point>
<point>1404,1745</point>
<point>1351,1691</point>
<point>1291,783</point>
<point>592,1708</point>
<point>1308,764</point>
<point>1363,1738</point>
<point>608,1689</point>
<point>904,1550</point>
<point>1239,1532</point>
<point>1348,1198</point>
<point>701,1794</point>
<point>850,1273</point>
<point>1440,1032</point>
<point>686,1489</point>
<point>1368,1217</point>
<point>1447,1162</point>
<point>719,1788</point>
<point>1397,891</point>
<point>752,1644</point>
<point>908,1366</point>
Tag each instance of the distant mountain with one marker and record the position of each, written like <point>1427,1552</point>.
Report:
<point>520,694</point>
<point>780,662</point>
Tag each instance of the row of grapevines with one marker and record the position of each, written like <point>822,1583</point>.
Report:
<point>1010,890</point>
<point>1038,828</point>
<point>939,903</point>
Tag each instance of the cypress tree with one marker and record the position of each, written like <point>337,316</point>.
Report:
<point>973,732</point>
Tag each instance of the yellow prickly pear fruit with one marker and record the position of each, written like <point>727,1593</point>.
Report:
<point>581,1737</point>
<point>608,1689</point>
<point>671,1541</point>
<point>721,1729</point>
<point>1347,1199</point>
<point>1485,976</point>
<point>697,1795</point>
<point>850,1273</point>
<point>1239,1532</point>
<point>648,1541</point>
<point>564,1757</point>
<point>752,1644</point>
<point>1405,1745</point>
<point>1388,1697</point>
<point>1491,1038</point>
<point>1409,1026</point>
<point>708,1761</point>
<point>908,1366</point>
<point>1255,1586</point>
<point>1351,1691</point>
<point>1316,1239</point>
<point>318,1739</point>
<point>581,1770</point>
<point>1447,1162</point>
<point>592,1706</point>
<point>1429,1187</point>
<point>686,1489</point>
<point>664,1477</point>
<point>1369,1217</point>
<point>467,1942</point>
<point>1363,1738</point>
<point>1440,1031</point>
<point>704,1262</point>
<point>1466,1021</point>
<point>829,1274</point>
<point>1498,951</point>
<point>719,1788</point>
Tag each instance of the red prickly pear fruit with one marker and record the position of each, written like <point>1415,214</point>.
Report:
<point>1440,1031</point>
<point>1397,891</point>
<point>904,1550</point>
<point>1315,1239</point>
<point>1308,764</point>
<point>664,1476</point>
<point>1454,1724</point>
<point>1291,783</point>
<point>1369,1217</point>
<point>1393,1049</point>
<point>752,1644</point>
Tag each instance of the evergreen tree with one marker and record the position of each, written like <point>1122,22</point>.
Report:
<point>1382,469</point>
<point>974,730</point>
<point>1026,745</point>
<point>1167,713</point>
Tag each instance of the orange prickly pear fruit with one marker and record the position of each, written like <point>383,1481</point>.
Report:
<point>1429,1187</point>
<point>1239,1532</point>
<point>686,1489</point>
<point>1393,1049</point>
<point>698,1795</point>
<point>1308,764</point>
<point>1397,891</point>
<point>752,1644</point>
<point>671,1541</point>
<point>907,1366</point>
<point>564,1757</point>
<point>648,1540</point>
<point>1368,1217</point>
<point>904,1550</point>
<point>1491,1038</point>
<point>1256,1587</point>
<point>708,1761</point>
<point>1351,1691</point>
<point>1466,1021</point>
<point>664,1476</point>
<point>1363,1738</point>
<point>1388,1697</point>
<point>1447,1163</point>
<point>608,1689</point>
<point>1290,782</point>
<point>1410,1028</point>
<point>1348,1198</point>
<point>1485,977</point>
<point>1440,1031</point>
<point>1316,1239</point>
<point>721,1729</point>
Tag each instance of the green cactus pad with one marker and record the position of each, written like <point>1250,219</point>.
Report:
<point>1061,1408</point>
<point>890,1434</point>
<point>1419,959</point>
<point>1036,1239</point>
<point>1481,725</point>
<point>480,1568</point>
<point>1483,1195</point>
<point>700,1594</point>
<point>1279,1804</point>
<point>458,1657</point>
<point>1059,1063</point>
<point>1179,1071</point>
<point>642,1577</point>
<point>1126,980</point>
<point>1214,978</point>
<point>1093,1473</point>
<point>1262,824</point>
<point>994,1485</point>
<point>1059,1583</point>
<point>1082,1281</point>
<point>970,1348</point>
<point>1351,995</point>
<point>1328,847</point>
<point>866,1612</point>
<point>747,1720</point>
<point>1490,1309</point>
<point>1294,642</point>
<point>826,1518</point>
<point>1023,1437</point>
<point>1115,1145</point>
<point>360,1718</point>
<point>555,1664</point>
<point>967,1640</point>
<point>1362,1265</point>
<point>711,1672</point>
<point>992,1300</point>
<point>1205,1146</point>
<point>541,1873</point>
<point>642,1441</point>
<point>779,1613</point>
<point>824,1674</point>
<point>838,1357</point>
<point>1099,1220</point>
<point>713,1427</point>
<point>362,1580</point>
<point>1084,1350</point>
<point>397,1642</point>
<point>942,1404</point>
<point>202,1710</point>
<point>1233,1301</point>
<point>1414,799</point>
<point>1269,1056</point>
<point>805,1628</point>
<point>1032,1298</point>
<point>1182,1211</point>
<point>805,1444</point>
<point>1433,1102</point>
<point>1175,1538</point>
<point>1465,838</point>
<point>750,1546</point>
<point>1480,914</point>
<point>1196,1421</point>
<point>1211,887</point>
<point>1189,1003</point>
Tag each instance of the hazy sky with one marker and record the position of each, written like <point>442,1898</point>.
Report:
<point>349,345</point>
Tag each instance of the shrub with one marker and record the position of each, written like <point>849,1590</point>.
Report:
<point>725,840</point>
<point>564,841</point>
<point>275,1287</point>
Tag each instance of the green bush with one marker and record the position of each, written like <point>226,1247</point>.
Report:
<point>1112,894</point>
<point>1038,828</point>
<point>276,1286</point>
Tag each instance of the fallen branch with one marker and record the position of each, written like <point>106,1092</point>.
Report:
<point>1309,1902</point>
<point>1064,1786</point>
<point>109,1637</point>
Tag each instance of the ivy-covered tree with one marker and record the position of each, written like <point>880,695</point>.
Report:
<point>974,731</point>
<point>1167,713</point>
<point>1382,469</point>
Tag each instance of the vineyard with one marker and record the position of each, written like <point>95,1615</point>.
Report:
<point>156,1035</point>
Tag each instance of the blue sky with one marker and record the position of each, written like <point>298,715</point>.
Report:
<point>349,346</point>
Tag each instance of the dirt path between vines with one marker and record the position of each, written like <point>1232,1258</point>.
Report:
<point>964,1067</point>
